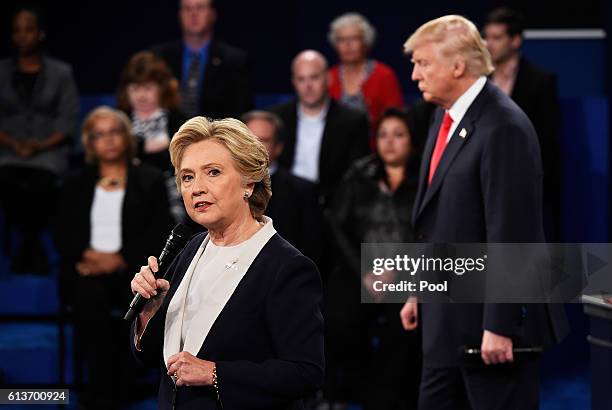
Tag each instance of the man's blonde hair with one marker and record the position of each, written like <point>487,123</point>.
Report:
<point>457,36</point>
<point>249,155</point>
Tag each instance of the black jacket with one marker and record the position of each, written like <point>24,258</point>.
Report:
<point>487,188</point>
<point>345,139</point>
<point>267,342</point>
<point>363,212</point>
<point>145,221</point>
<point>294,209</point>
<point>535,91</point>
<point>226,89</point>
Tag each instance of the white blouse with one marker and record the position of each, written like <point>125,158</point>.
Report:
<point>105,220</point>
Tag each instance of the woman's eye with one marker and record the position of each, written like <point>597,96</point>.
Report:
<point>214,172</point>
<point>186,178</point>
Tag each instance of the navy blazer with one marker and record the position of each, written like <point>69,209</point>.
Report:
<point>487,188</point>
<point>267,342</point>
<point>226,88</point>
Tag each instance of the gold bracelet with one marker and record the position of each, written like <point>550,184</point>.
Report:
<point>215,381</point>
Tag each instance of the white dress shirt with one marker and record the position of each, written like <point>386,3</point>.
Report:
<point>308,144</point>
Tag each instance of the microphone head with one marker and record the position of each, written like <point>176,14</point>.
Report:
<point>181,231</point>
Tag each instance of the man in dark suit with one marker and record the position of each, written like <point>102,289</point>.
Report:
<point>535,91</point>
<point>322,138</point>
<point>293,206</point>
<point>214,76</point>
<point>480,181</point>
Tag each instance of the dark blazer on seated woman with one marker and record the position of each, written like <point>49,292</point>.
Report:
<point>145,220</point>
<point>267,341</point>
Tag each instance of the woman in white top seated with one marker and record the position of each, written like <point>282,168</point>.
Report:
<point>113,214</point>
<point>240,325</point>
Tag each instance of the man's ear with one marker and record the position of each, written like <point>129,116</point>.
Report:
<point>459,67</point>
<point>516,42</point>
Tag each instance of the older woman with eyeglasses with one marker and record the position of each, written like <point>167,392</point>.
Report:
<point>113,214</point>
<point>240,326</point>
<point>357,80</point>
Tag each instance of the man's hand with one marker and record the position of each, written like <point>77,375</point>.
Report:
<point>496,348</point>
<point>410,314</point>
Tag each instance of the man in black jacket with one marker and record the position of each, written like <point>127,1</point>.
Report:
<point>322,138</point>
<point>214,76</point>
<point>293,206</point>
<point>535,91</point>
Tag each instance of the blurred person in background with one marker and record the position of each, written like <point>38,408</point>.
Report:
<point>112,214</point>
<point>358,80</point>
<point>293,207</point>
<point>321,137</point>
<point>214,76</point>
<point>373,204</point>
<point>149,95</point>
<point>39,107</point>
<point>535,91</point>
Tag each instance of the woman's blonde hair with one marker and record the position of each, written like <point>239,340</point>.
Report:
<point>249,155</point>
<point>457,36</point>
<point>87,135</point>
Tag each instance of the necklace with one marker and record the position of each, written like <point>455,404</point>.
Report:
<point>111,182</point>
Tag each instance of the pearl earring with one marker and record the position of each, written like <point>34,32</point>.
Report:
<point>246,194</point>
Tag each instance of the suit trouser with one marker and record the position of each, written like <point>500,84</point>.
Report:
<point>495,387</point>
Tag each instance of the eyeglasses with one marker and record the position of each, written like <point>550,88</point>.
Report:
<point>114,132</point>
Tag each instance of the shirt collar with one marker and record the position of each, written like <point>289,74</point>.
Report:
<point>460,107</point>
<point>319,117</point>
<point>199,52</point>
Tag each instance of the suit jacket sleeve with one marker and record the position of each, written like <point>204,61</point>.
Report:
<point>151,240</point>
<point>341,221</point>
<point>511,177</point>
<point>360,137</point>
<point>296,328</point>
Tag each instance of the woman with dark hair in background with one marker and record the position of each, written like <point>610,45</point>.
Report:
<point>372,205</point>
<point>112,215</point>
<point>39,107</point>
<point>149,94</point>
<point>359,81</point>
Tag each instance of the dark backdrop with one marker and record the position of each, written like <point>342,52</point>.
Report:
<point>97,37</point>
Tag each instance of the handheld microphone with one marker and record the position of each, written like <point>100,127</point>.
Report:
<point>174,244</point>
<point>515,350</point>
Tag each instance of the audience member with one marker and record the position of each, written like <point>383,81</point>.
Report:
<point>113,214</point>
<point>535,91</point>
<point>293,206</point>
<point>214,75</point>
<point>148,93</point>
<point>321,137</point>
<point>39,106</point>
<point>359,81</point>
<point>373,204</point>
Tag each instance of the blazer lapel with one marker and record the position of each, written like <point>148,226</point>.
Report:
<point>290,134</point>
<point>424,168</point>
<point>176,307</point>
<point>327,139</point>
<point>461,134</point>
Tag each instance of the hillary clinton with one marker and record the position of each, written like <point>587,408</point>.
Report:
<point>239,326</point>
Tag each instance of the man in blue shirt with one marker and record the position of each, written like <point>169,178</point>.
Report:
<point>214,76</point>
